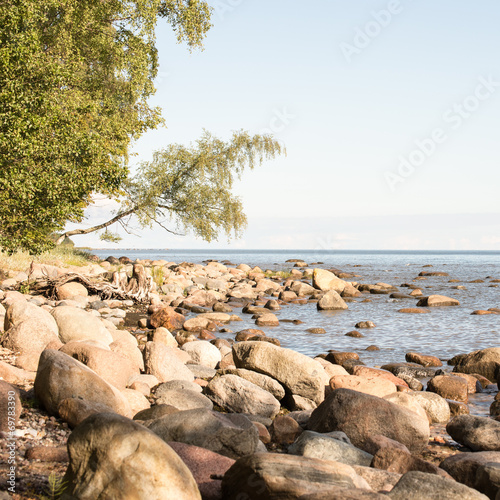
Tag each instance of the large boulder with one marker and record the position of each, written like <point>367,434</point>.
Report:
<point>113,368</point>
<point>298,373</point>
<point>315,445</point>
<point>233,436</point>
<point>60,377</point>
<point>237,395</point>
<point>362,415</point>
<point>422,486</point>
<point>114,457</point>
<point>203,353</point>
<point>162,362</point>
<point>325,281</point>
<point>331,301</point>
<point>270,476</point>
<point>477,433</point>
<point>479,470</point>
<point>76,324</point>
<point>485,362</point>
<point>28,328</point>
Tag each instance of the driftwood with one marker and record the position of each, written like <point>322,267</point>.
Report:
<point>136,288</point>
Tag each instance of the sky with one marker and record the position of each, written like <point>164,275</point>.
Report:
<point>389,111</point>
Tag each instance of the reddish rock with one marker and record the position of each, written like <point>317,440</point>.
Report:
<point>167,318</point>
<point>413,310</point>
<point>264,435</point>
<point>449,387</point>
<point>248,333</point>
<point>285,430</point>
<point>204,465</point>
<point>423,359</point>
<point>368,372</point>
<point>338,358</point>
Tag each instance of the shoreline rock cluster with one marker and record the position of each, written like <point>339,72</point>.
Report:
<point>168,410</point>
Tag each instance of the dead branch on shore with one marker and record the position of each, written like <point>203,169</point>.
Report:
<point>136,288</point>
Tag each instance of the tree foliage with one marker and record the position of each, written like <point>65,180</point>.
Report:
<point>191,187</point>
<point>75,78</point>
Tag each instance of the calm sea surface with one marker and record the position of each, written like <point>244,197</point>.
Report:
<point>444,332</point>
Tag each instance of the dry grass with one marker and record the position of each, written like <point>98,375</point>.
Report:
<point>59,256</point>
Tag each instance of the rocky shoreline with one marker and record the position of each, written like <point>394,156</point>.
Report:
<point>112,398</point>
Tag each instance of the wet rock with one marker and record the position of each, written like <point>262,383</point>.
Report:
<point>230,435</point>
<point>423,486</point>
<point>269,476</point>
<point>412,369</point>
<point>298,373</point>
<point>413,310</point>
<point>339,358</point>
<point>485,362</point>
<point>437,301</point>
<point>449,387</point>
<point>361,415</point>
<point>114,457</point>
<point>423,359</point>
<point>237,395</point>
<point>316,330</point>
<point>365,324</point>
<point>331,301</point>
<point>314,445</point>
<point>457,408</point>
<point>355,334</point>
<point>60,377</point>
<point>477,433</point>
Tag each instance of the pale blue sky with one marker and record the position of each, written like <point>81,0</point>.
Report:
<point>358,83</point>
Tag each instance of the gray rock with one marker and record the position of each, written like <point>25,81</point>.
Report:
<point>203,353</point>
<point>271,476</point>
<point>314,445</point>
<point>237,395</point>
<point>263,381</point>
<point>477,433</point>
<point>479,470</point>
<point>361,415</point>
<point>160,361</point>
<point>485,362</point>
<point>230,435</point>
<point>200,371</point>
<point>184,399</point>
<point>436,407</point>
<point>179,385</point>
<point>114,457</point>
<point>422,486</point>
